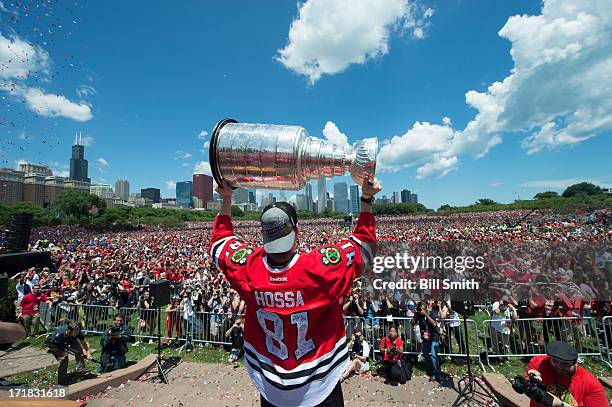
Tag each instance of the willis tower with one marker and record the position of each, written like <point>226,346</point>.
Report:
<point>78,164</point>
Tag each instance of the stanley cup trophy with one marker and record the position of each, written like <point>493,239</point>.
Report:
<point>283,157</point>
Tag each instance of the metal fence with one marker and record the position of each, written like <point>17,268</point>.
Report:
<point>526,337</point>
<point>498,338</point>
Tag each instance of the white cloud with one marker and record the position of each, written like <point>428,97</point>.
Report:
<point>329,35</point>
<point>206,144</point>
<point>185,165</point>
<point>202,135</point>
<point>171,184</point>
<point>19,58</point>
<point>496,183</point>
<point>58,164</point>
<point>182,155</point>
<point>102,162</point>
<point>334,135</point>
<point>60,173</point>
<point>19,162</point>
<point>559,183</point>
<point>203,167</point>
<point>84,91</point>
<point>87,141</point>
<point>51,105</point>
<point>24,136</point>
<point>556,94</point>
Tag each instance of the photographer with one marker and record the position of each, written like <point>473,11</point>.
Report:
<point>428,325</point>
<point>395,368</point>
<point>352,309</point>
<point>556,380</point>
<point>65,340</point>
<point>114,346</point>
<point>236,333</point>
<point>359,353</point>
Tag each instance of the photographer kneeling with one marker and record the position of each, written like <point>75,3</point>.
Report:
<point>556,380</point>
<point>359,351</point>
<point>395,367</point>
<point>65,340</point>
<point>114,346</point>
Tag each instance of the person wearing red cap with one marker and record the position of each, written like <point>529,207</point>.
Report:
<point>570,384</point>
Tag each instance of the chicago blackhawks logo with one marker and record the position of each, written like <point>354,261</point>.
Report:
<point>331,255</point>
<point>240,256</point>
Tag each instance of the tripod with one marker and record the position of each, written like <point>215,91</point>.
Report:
<point>158,359</point>
<point>473,391</point>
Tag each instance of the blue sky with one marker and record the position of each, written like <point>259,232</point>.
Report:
<point>458,118</point>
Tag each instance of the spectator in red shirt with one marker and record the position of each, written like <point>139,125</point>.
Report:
<point>570,384</point>
<point>29,309</point>
<point>395,369</point>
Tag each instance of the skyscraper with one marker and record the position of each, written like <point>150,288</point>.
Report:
<point>405,194</point>
<point>300,202</point>
<point>151,193</point>
<point>202,188</point>
<point>240,196</point>
<point>321,190</point>
<point>122,189</point>
<point>355,200</point>
<point>101,190</point>
<point>253,195</point>
<point>78,163</point>
<point>308,193</point>
<point>183,194</point>
<point>341,201</point>
<point>413,199</point>
<point>396,197</point>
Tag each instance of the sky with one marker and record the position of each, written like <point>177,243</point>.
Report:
<point>469,99</point>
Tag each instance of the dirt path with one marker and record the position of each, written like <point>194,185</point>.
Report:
<point>196,384</point>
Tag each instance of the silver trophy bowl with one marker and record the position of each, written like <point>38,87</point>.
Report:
<point>273,156</point>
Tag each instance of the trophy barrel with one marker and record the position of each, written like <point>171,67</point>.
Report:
<point>257,155</point>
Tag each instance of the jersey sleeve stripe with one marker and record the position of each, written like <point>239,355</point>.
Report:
<point>366,249</point>
<point>295,374</point>
<point>217,248</point>
<point>280,385</point>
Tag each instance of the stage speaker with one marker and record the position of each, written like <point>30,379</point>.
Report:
<point>160,290</point>
<point>17,235</point>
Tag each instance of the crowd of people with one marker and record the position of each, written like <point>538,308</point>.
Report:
<point>537,266</point>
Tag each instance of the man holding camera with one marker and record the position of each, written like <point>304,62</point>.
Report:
<point>114,346</point>
<point>359,353</point>
<point>236,335</point>
<point>564,383</point>
<point>65,340</point>
<point>426,318</point>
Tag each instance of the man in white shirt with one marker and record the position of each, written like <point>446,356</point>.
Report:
<point>359,352</point>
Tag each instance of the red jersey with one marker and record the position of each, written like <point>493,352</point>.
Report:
<point>30,302</point>
<point>386,343</point>
<point>581,390</point>
<point>294,338</point>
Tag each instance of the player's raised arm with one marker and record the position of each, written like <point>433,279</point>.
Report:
<point>225,247</point>
<point>365,231</point>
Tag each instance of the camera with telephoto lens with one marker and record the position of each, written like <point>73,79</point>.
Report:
<point>352,355</point>
<point>393,352</point>
<point>532,389</point>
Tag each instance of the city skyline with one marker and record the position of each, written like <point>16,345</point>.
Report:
<point>460,98</point>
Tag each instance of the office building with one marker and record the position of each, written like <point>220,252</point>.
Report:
<point>308,193</point>
<point>183,194</point>
<point>53,187</point>
<point>34,188</point>
<point>34,169</point>
<point>396,197</point>
<point>152,194</point>
<point>122,189</point>
<point>321,197</point>
<point>355,199</point>
<point>240,196</point>
<point>405,196</point>
<point>300,202</point>
<point>11,185</point>
<point>78,163</point>
<point>202,187</point>
<point>413,199</point>
<point>341,200</point>
<point>102,190</point>
<point>253,196</point>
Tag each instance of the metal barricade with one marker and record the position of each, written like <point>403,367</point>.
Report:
<point>526,337</point>
<point>604,332</point>
<point>143,322</point>
<point>94,318</point>
<point>45,312</point>
<point>452,339</point>
<point>210,327</point>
